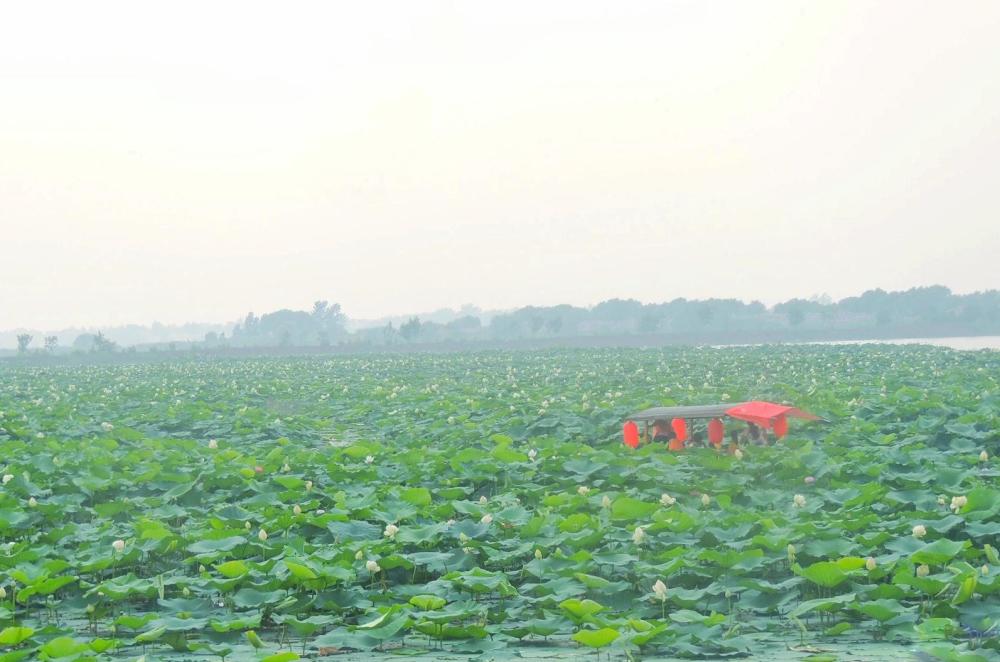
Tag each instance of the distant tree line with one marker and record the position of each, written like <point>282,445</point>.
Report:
<point>933,310</point>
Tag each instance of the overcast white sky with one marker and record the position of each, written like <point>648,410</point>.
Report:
<point>198,160</point>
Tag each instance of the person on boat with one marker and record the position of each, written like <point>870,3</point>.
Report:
<point>662,430</point>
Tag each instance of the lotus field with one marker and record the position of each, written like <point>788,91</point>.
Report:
<point>484,505</point>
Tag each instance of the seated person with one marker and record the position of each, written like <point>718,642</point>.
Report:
<point>662,430</point>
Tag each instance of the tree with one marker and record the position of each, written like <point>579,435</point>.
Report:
<point>411,329</point>
<point>51,342</point>
<point>103,344</point>
<point>23,340</point>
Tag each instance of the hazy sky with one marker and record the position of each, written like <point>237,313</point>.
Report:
<point>201,159</point>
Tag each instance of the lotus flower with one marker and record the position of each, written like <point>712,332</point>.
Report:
<point>107,427</point>
<point>532,454</point>
<point>809,480</point>
<point>923,570</point>
<point>660,590</point>
<point>799,501</point>
<point>7,478</point>
<point>118,546</point>
<point>606,502</point>
<point>583,490</point>
<point>369,459</point>
<point>958,502</point>
<point>638,535</point>
<point>667,500</point>
<point>390,531</point>
<point>738,454</point>
<point>487,519</point>
<point>373,567</point>
<point>213,444</point>
<point>919,531</point>
<point>483,501</point>
<point>984,457</point>
<point>870,563</point>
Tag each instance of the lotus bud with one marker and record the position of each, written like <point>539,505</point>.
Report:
<point>870,563</point>
<point>660,590</point>
<point>309,485</point>
<point>32,502</point>
<point>358,555</point>
<point>3,593</point>
<point>462,538</point>
<point>583,490</point>
<point>538,554</point>
<point>985,570</point>
<point>487,519</point>
<point>809,480</point>
<point>667,500</point>
<point>186,592</point>
<point>247,525</point>
<point>285,468</point>
<point>89,609</point>
<point>705,500</point>
<point>202,568</point>
<point>984,457</point>
<point>483,500</point>
<point>390,531</point>
<point>919,531</point>
<point>297,509</point>
<point>791,553</point>
<point>799,501</point>
<point>118,546</point>
<point>373,567</point>
<point>738,454</point>
<point>942,500</point>
<point>262,535</point>
<point>532,454</point>
<point>638,535</point>
<point>923,570</point>
<point>213,444</point>
<point>606,502</point>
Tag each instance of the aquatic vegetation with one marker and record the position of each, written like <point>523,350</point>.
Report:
<point>471,502</point>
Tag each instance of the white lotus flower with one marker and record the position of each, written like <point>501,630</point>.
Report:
<point>958,502</point>
<point>667,500</point>
<point>285,468</point>
<point>870,563</point>
<point>919,531</point>
<point>462,537</point>
<point>262,535</point>
<point>799,501</point>
<point>942,500</point>
<point>369,459</point>
<point>390,531</point>
<point>483,501</point>
<point>923,570</point>
<point>118,546</point>
<point>738,454</point>
<point>532,454</point>
<point>984,457</point>
<point>660,590</point>
<point>583,490</point>
<point>320,511</point>
<point>107,427</point>
<point>487,519</point>
<point>638,535</point>
<point>7,478</point>
<point>213,444</point>
<point>373,567</point>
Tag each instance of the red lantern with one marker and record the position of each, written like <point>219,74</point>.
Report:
<point>780,426</point>
<point>716,432</point>
<point>631,433</point>
<point>680,429</point>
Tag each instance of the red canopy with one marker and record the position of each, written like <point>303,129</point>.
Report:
<point>765,414</point>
